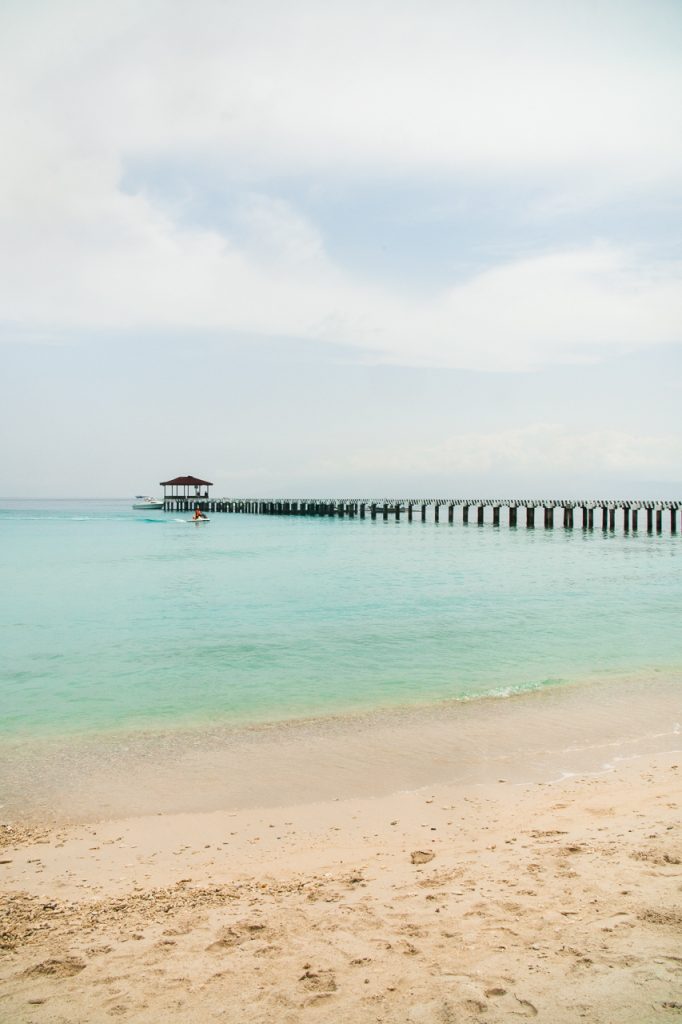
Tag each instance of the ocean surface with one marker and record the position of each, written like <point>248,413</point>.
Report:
<point>151,665</point>
<point>117,619</point>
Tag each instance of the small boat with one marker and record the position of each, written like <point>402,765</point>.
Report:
<point>143,501</point>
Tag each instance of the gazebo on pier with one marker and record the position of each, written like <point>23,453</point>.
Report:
<point>189,488</point>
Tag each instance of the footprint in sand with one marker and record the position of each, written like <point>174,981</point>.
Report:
<point>64,968</point>
<point>512,1005</point>
<point>322,981</point>
<point>421,856</point>
<point>527,1008</point>
<point>236,935</point>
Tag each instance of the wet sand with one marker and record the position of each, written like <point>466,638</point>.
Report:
<point>534,736</point>
<point>555,897</point>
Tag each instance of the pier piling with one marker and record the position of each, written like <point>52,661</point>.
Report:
<point>352,507</point>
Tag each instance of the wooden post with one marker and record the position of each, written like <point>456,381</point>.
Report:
<point>513,513</point>
<point>673,520</point>
<point>423,512</point>
<point>590,519</point>
<point>373,510</point>
<point>496,515</point>
<point>362,510</point>
<point>549,517</point>
<point>409,512</point>
<point>465,514</point>
<point>612,519</point>
<point>634,519</point>
<point>480,512</point>
<point>626,519</point>
<point>451,512</point>
<point>397,511</point>
<point>385,511</point>
<point>659,520</point>
<point>530,517</point>
<point>650,519</point>
<point>436,512</point>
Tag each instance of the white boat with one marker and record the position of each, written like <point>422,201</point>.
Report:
<point>143,501</point>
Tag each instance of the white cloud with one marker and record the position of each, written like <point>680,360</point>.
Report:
<point>115,261</point>
<point>538,450</point>
<point>389,85</point>
<point>383,89</point>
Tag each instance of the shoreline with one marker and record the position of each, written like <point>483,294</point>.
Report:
<point>538,735</point>
<point>450,902</point>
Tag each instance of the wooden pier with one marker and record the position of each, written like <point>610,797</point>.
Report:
<point>630,516</point>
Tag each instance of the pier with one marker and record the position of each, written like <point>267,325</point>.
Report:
<point>526,513</point>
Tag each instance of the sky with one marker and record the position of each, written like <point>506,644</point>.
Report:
<point>349,248</point>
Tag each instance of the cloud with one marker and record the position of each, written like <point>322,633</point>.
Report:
<point>538,450</point>
<point>383,85</point>
<point>379,90</point>
<point>107,260</point>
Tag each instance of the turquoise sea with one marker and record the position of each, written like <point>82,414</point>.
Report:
<point>113,619</point>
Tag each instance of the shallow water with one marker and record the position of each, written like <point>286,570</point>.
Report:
<point>119,620</point>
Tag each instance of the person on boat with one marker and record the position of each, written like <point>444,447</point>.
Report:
<point>198,514</point>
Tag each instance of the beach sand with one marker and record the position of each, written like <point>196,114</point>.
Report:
<point>557,901</point>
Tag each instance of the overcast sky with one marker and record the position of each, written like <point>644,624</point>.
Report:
<point>341,248</point>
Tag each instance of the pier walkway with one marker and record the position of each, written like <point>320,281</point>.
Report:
<point>653,516</point>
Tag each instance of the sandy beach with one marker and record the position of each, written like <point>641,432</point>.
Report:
<point>502,901</point>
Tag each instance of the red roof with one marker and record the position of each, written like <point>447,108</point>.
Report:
<point>188,481</point>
